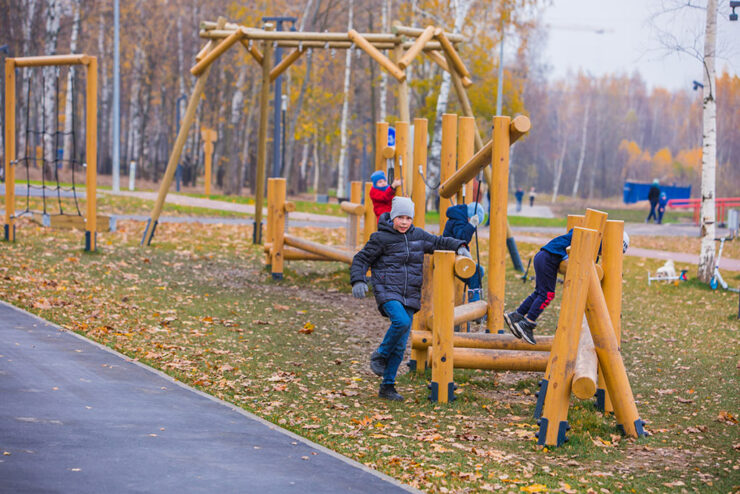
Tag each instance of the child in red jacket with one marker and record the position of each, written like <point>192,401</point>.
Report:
<point>382,194</point>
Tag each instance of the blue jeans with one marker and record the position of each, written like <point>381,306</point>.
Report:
<point>473,285</point>
<point>394,341</point>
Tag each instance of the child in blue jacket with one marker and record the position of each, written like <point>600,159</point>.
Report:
<point>522,321</point>
<point>462,221</point>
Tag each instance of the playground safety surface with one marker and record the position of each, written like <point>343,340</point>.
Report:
<point>78,417</point>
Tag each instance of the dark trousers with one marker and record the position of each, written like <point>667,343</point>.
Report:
<point>545,276</point>
<point>661,212</point>
<point>652,211</point>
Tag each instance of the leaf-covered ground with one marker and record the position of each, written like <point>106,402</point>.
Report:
<point>199,305</point>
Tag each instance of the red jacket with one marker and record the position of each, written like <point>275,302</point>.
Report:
<point>382,200</point>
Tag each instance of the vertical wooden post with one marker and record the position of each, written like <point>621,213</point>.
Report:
<point>573,220</point>
<point>442,327</point>
<point>259,188</point>
<point>447,161</point>
<point>371,223</point>
<point>182,137</point>
<point>278,227</point>
<point>419,193</point>
<point>270,222</point>
<point>91,154</point>
<point>610,360</point>
<point>611,284</point>
<point>208,135</point>
<point>499,187</point>
<point>381,142</point>
<point>403,156</point>
<point>355,196</point>
<point>403,88</point>
<point>554,421</point>
<point>465,151</point>
<point>418,357</point>
<point>9,224</point>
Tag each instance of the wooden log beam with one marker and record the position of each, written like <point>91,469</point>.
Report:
<point>285,63</point>
<point>464,267</point>
<point>203,51</point>
<point>493,341</point>
<point>478,358</point>
<point>451,52</point>
<point>519,126</point>
<point>291,254</point>
<point>414,32</point>
<point>216,52</point>
<point>333,253</point>
<point>51,60</point>
<point>585,373</point>
<point>375,54</point>
<point>464,313</point>
<point>416,47</point>
<point>265,35</point>
<point>353,208</point>
<point>563,268</point>
<point>252,49</point>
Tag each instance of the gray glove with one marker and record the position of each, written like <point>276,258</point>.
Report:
<point>463,251</point>
<point>359,289</point>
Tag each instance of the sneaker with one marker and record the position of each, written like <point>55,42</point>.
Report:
<point>388,392</point>
<point>526,328</point>
<point>512,318</point>
<point>378,363</point>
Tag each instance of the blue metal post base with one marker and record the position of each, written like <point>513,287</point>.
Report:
<point>639,428</point>
<point>541,435</point>
<point>7,233</point>
<point>153,226</point>
<point>540,398</point>
<point>514,254</point>
<point>277,276</point>
<point>412,365</point>
<point>434,394</point>
<point>91,241</point>
<point>600,399</point>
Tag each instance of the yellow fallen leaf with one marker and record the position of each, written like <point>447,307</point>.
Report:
<point>533,488</point>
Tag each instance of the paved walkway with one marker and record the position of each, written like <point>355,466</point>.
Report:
<point>78,417</point>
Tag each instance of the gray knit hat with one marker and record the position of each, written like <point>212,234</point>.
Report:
<point>402,206</point>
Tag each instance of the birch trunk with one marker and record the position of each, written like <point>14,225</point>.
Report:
<point>68,120</point>
<point>341,163</point>
<point>30,11</point>
<point>135,117</point>
<point>53,14</point>
<point>559,170</point>
<point>233,185</point>
<point>709,149</point>
<point>304,161</point>
<point>293,123</point>
<point>104,135</point>
<point>316,166</point>
<point>386,10</point>
<point>248,132</point>
<point>584,135</point>
<point>461,8</point>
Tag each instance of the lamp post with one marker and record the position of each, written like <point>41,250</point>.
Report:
<point>277,100</point>
<point>284,109</point>
<point>116,100</point>
<point>6,51</point>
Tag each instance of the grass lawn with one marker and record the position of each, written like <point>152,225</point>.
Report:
<point>202,308</point>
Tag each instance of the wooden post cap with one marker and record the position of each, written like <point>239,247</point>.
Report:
<point>464,267</point>
<point>389,152</point>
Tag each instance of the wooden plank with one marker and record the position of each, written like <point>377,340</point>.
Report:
<point>376,55</point>
<point>212,55</point>
<point>416,47</point>
<point>285,63</point>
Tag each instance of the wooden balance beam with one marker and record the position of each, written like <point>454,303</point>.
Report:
<point>331,253</point>
<point>489,341</point>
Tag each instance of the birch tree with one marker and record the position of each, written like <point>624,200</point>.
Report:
<point>29,9</point>
<point>386,13</point>
<point>68,120</point>
<point>582,156</point>
<point>342,175</point>
<point>232,184</point>
<point>460,9</point>
<point>53,14</point>
<point>105,114</point>
<point>709,148</point>
<point>135,113</point>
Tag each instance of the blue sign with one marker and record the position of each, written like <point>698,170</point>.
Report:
<point>391,137</point>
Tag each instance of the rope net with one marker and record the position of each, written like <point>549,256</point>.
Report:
<point>51,101</point>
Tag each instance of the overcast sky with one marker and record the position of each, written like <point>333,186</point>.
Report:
<point>629,40</point>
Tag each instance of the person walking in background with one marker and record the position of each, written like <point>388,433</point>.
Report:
<point>662,203</point>
<point>653,197</point>
<point>519,194</point>
<point>532,195</point>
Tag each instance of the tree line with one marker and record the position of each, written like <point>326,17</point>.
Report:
<point>588,135</point>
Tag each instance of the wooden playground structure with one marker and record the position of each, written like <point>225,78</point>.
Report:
<point>90,222</point>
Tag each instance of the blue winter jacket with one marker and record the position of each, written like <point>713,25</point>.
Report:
<point>457,225</point>
<point>397,262</point>
<point>558,245</point>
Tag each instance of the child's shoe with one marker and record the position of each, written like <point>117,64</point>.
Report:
<point>511,319</point>
<point>526,328</point>
<point>388,392</point>
<point>378,363</point>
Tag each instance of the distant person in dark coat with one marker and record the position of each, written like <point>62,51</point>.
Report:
<point>395,255</point>
<point>653,197</point>
<point>532,195</point>
<point>519,194</point>
<point>662,203</point>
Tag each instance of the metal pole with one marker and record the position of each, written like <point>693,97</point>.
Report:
<point>116,100</point>
<point>3,49</point>
<point>282,151</point>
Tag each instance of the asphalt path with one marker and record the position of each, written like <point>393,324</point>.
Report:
<point>78,417</point>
